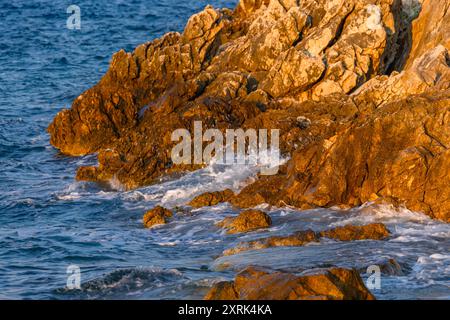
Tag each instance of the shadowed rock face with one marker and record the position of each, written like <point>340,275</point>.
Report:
<point>255,283</point>
<point>373,85</point>
<point>374,231</point>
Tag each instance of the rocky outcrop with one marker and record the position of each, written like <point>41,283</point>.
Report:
<point>156,216</point>
<point>374,231</point>
<point>368,80</point>
<point>248,220</point>
<point>220,56</point>
<point>255,283</point>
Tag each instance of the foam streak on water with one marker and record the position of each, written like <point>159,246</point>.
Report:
<point>48,221</point>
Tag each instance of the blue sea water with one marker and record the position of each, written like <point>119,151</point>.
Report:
<point>48,221</point>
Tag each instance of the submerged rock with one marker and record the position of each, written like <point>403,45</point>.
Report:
<point>388,267</point>
<point>157,215</point>
<point>248,220</point>
<point>391,267</point>
<point>374,231</point>
<point>256,283</point>
<point>299,238</point>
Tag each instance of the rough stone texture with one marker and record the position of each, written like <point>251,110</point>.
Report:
<point>156,216</point>
<point>255,283</point>
<point>400,153</point>
<point>211,198</point>
<point>428,73</point>
<point>431,29</point>
<point>223,290</point>
<point>374,231</point>
<point>248,220</point>
<point>372,82</point>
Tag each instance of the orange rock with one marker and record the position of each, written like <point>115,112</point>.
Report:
<point>211,198</point>
<point>248,220</point>
<point>398,153</point>
<point>255,283</point>
<point>208,71</point>
<point>430,29</point>
<point>155,216</point>
<point>223,290</point>
<point>374,231</point>
<point>299,238</point>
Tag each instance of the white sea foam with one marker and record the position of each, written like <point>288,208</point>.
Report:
<point>385,213</point>
<point>115,184</point>
<point>215,177</point>
<point>434,266</point>
<point>69,197</point>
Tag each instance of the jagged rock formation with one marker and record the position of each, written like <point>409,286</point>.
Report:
<point>372,82</point>
<point>399,153</point>
<point>255,283</point>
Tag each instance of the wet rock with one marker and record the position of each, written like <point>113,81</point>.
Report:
<point>248,220</point>
<point>388,267</point>
<point>374,231</point>
<point>211,198</point>
<point>299,238</point>
<point>427,73</point>
<point>256,283</point>
<point>156,216</point>
<point>391,267</point>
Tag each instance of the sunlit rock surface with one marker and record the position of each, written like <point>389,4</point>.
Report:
<point>372,77</point>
